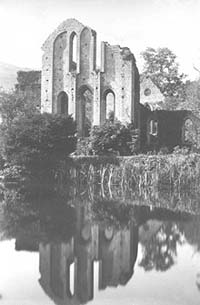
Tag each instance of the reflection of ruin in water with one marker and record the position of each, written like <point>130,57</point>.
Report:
<point>67,269</point>
<point>69,254</point>
<point>64,266</point>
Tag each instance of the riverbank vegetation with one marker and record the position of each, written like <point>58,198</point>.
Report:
<point>44,146</point>
<point>32,143</point>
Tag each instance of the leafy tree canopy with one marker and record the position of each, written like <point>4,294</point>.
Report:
<point>31,139</point>
<point>13,106</point>
<point>161,66</point>
<point>192,101</point>
<point>38,139</point>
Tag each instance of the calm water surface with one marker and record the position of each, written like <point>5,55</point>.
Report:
<point>98,251</point>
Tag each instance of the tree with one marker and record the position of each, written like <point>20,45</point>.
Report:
<point>38,141</point>
<point>161,66</point>
<point>31,139</point>
<point>192,100</point>
<point>12,106</point>
<point>160,252</point>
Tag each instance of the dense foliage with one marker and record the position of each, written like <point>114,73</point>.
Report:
<point>192,100</point>
<point>38,140</point>
<point>160,251</point>
<point>31,140</point>
<point>12,106</point>
<point>114,138</point>
<point>161,66</point>
<point>142,176</point>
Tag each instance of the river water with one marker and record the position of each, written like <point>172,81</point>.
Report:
<point>78,248</point>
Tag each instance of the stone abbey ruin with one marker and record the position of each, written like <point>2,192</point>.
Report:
<point>71,83</point>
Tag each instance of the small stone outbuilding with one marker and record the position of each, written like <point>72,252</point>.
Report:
<point>150,94</point>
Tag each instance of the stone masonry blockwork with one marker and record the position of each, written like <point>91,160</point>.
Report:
<point>69,68</point>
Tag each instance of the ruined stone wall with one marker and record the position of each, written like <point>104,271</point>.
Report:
<point>57,74</point>
<point>119,76</point>
<point>59,66</point>
<point>85,78</point>
<point>170,129</point>
<point>61,72</point>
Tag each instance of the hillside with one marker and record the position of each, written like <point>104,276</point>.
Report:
<point>8,75</point>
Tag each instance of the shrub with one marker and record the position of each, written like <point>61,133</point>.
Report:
<point>38,140</point>
<point>12,105</point>
<point>181,150</point>
<point>114,138</point>
<point>84,147</point>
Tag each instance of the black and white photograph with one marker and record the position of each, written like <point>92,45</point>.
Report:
<point>99,152</point>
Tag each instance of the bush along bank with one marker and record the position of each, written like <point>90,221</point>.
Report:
<point>171,172</point>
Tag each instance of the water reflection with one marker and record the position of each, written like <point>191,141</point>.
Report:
<point>115,250</point>
<point>74,233</point>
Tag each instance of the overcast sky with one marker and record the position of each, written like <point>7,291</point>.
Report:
<point>25,24</point>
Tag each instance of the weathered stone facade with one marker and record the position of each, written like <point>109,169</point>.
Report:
<point>168,129</point>
<point>72,84</point>
<point>150,94</point>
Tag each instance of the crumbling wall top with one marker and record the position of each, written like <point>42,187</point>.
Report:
<point>68,25</point>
